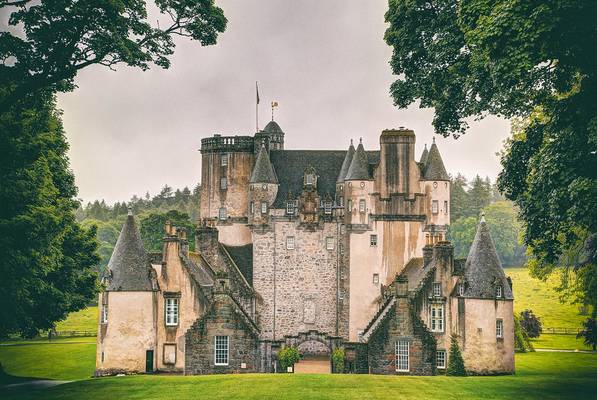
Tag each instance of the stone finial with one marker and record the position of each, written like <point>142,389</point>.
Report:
<point>129,210</point>
<point>483,216</point>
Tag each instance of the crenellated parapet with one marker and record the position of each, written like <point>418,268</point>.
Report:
<point>227,144</point>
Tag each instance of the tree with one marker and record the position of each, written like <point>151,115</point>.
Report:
<point>59,38</point>
<point>521,338</point>
<point>479,196</point>
<point>48,259</point>
<point>152,228</point>
<point>532,60</point>
<point>589,333</point>
<point>531,324</point>
<point>459,200</point>
<point>455,361</point>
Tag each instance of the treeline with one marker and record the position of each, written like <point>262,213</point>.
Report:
<point>468,200</point>
<point>179,206</point>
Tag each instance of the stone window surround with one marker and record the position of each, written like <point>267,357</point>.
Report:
<point>499,329</point>
<point>373,240</point>
<point>362,206</point>
<point>402,354</point>
<point>221,350</point>
<point>224,160</point>
<point>104,316</point>
<point>437,317</point>
<point>329,243</point>
<point>434,207</point>
<point>290,243</point>
<point>223,183</point>
<point>175,299</point>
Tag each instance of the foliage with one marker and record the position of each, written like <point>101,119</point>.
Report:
<point>152,228</point>
<point>531,324</point>
<point>58,38</point>
<point>47,257</point>
<point>589,333</point>
<point>288,356</point>
<point>455,362</point>
<point>338,356</point>
<point>505,231</point>
<point>459,197</point>
<point>522,342</point>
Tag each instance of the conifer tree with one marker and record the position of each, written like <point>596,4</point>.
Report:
<point>455,362</point>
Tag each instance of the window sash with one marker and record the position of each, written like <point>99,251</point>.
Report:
<point>290,207</point>
<point>499,329</point>
<point>437,289</point>
<point>362,207</point>
<point>221,350</point>
<point>440,359</point>
<point>373,240</point>
<point>437,318</point>
<point>104,313</point>
<point>329,243</point>
<point>222,213</point>
<point>263,207</point>
<point>434,206</point>
<point>498,292</point>
<point>223,183</point>
<point>289,242</point>
<point>171,311</point>
<point>224,160</point>
<point>402,356</point>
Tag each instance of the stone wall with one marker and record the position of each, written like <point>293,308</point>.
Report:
<point>223,319</point>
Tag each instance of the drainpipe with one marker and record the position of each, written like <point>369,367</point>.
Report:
<point>337,277</point>
<point>275,244</point>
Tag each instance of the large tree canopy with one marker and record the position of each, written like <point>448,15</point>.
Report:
<point>530,59</point>
<point>52,40</point>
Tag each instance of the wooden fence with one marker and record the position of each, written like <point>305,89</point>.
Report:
<point>560,331</point>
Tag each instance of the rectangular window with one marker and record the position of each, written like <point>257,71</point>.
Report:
<point>437,318</point>
<point>437,289</point>
<point>434,206</point>
<point>327,207</point>
<point>104,313</point>
<point>251,207</point>
<point>362,205</point>
<point>221,350</point>
<point>224,160</point>
<point>402,362</point>
<point>341,201</point>
<point>498,292</point>
<point>375,279</point>
<point>223,183</point>
<point>499,329</point>
<point>349,205</point>
<point>222,213</point>
<point>440,359</point>
<point>289,242</point>
<point>461,289</point>
<point>329,243</point>
<point>373,240</point>
<point>171,311</point>
<point>263,207</point>
<point>445,206</point>
<point>309,179</point>
<point>290,207</point>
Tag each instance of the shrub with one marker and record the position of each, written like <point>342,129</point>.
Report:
<point>338,360</point>
<point>521,339</point>
<point>531,323</point>
<point>589,333</point>
<point>455,362</point>
<point>288,356</point>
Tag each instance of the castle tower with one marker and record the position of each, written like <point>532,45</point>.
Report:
<point>128,300</point>
<point>272,136</point>
<point>263,188</point>
<point>342,175</point>
<point>485,319</point>
<point>358,185</point>
<point>397,168</point>
<point>437,189</point>
<point>226,166</point>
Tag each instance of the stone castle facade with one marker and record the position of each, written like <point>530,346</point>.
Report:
<point>314,249</point>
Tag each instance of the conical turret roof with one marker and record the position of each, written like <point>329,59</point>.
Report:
<point>128,268</point>
<point>263,172</point>
<point>434,166</point>
<point>346,163</point>
<point>359,166</point>
<point>424,155</point>
<point>483,271</point>
<point>273,127</point>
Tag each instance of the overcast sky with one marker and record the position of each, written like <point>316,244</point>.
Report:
<point>325,62</point>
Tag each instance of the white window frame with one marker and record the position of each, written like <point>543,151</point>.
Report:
<point>434,206</point>
<point>362,206</point>
<point>437,289</point>
<point>349,205</point>
<point>290,244</point>
<point>290,207</point>
<point>376,279</point>
<point>329,243</point>
<point>223,183</point>
<point>224,160</point>
<point>499,328</point>
<point>104,317</point>
<point>221,350</point>
<point>402,353</point>
<point>222,214</point>
<point>263,207</point>
<point>252,207</point>
<point>171,307</point>
<point>499,291</point>
<point>440,356</point>
<point>341,200</point>
<point>460,289</point>
<point>436,317</point>
<point>373,240</point>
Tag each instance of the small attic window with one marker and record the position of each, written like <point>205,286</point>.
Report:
<point>224,160</point>
<point>290,207</point>
<point>327,207</point>
<point>499,292</point>
<point>460,289</point>
<point>309,179</point>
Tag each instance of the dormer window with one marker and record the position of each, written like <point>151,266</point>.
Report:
<point>327,207</point>
<point>290,207</point>
<point>499,292</point>
<point>437,289</point>
<point>309,180</point>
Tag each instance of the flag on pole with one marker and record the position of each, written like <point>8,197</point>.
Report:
<point>257,91</point>
<point>274,104</point>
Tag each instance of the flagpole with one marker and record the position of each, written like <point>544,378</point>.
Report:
<point>257,107</point>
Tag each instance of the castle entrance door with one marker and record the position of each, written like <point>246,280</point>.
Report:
<point>315,358</point>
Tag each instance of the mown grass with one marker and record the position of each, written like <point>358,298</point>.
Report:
<point>84,320</point>
<point>539,376</point>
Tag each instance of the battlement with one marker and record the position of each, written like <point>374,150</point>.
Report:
<point>227,144</point>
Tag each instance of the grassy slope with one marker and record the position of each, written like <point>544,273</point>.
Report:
<point>84,320</point>
<point>530,293</point>
<point>539,376</point>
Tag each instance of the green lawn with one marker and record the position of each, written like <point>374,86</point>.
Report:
<point>533,294</point>
<point>539,376</point>
<point>84,320</point>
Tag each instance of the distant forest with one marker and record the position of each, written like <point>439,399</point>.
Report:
<point>468,199</point>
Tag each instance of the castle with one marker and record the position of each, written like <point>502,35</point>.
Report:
<point>313,249</point>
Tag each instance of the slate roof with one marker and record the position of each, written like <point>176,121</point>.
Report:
<point>483,270</point>
<point>290,166</point>
<point>434,166</point>
<point>424,156</point>
<point>359,166</point>
<point>243,258</point>
<point>346,163</point>
<point>273,127</point>
<point>129,268</point>
<point>263,172</point>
